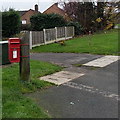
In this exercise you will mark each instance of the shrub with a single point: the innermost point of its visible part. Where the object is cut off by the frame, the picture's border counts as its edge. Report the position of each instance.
(10, 23)
(78, 28)
(26, 27)
(46, 21)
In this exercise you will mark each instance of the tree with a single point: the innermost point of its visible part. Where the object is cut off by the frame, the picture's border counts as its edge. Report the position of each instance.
(112, 14)
(100, 15)
(82, 12)
(92, 15)
(10, 23)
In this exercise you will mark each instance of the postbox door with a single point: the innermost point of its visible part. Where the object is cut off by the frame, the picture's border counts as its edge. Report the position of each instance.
(14, 50)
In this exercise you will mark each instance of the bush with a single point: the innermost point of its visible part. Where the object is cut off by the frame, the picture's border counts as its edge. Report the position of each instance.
(46, 21)
(78, 28)
(10, 23)
(26, 27)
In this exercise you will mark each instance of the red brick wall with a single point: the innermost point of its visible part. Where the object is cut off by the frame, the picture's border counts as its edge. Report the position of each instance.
(27, 16)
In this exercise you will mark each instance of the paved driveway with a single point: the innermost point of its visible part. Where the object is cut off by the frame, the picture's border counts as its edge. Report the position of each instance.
(94, 95)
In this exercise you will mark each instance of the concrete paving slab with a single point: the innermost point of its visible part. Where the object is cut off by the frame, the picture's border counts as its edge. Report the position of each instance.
(61, 77)
(103, 61)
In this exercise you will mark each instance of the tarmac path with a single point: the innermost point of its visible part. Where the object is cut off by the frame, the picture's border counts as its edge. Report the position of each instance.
(94, 94)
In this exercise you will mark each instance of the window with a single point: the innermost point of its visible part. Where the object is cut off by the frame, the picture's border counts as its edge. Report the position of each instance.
(24, 21)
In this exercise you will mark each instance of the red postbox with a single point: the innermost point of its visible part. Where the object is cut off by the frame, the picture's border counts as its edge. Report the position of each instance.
(14, 49)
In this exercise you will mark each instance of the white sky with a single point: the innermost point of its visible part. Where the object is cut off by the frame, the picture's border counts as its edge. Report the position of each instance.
(28, 4)
(25, 4)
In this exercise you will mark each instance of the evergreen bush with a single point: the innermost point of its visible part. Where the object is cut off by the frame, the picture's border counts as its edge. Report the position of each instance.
(78, 28)
(10, 23)
(46, 21)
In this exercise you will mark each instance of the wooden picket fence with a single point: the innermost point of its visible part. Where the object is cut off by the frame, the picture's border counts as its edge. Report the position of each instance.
(48, 36)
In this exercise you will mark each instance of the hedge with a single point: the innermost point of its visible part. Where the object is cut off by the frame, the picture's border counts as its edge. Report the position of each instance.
(46, 21)
(78, 28)
(10, 23)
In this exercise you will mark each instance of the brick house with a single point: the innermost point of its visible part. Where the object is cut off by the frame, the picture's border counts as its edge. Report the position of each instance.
(55, 9)
(25, 15)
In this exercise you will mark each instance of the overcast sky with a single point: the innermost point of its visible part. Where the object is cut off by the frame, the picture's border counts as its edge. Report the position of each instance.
(29, 4)
(25, 4)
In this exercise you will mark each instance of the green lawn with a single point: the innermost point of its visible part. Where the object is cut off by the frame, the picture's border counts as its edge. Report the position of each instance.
(15, 104)
(95, 44)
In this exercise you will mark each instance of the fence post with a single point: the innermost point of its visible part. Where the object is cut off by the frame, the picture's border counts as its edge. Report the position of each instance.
(73, 31)
(44, 32)
(30, 39)
(65, 33)
(56, 33)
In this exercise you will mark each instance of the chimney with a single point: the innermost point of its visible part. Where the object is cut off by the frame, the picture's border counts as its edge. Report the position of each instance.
(56, 4)
(36, 8)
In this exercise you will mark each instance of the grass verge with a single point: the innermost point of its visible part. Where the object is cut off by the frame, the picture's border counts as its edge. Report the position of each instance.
(99, 43)
(15, 104)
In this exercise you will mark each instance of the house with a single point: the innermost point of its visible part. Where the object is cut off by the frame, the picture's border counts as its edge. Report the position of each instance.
(55, 9)
(25, 15)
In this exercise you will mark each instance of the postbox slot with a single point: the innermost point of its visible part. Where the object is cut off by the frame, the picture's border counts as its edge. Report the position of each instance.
(15, 47)
(14, 42)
